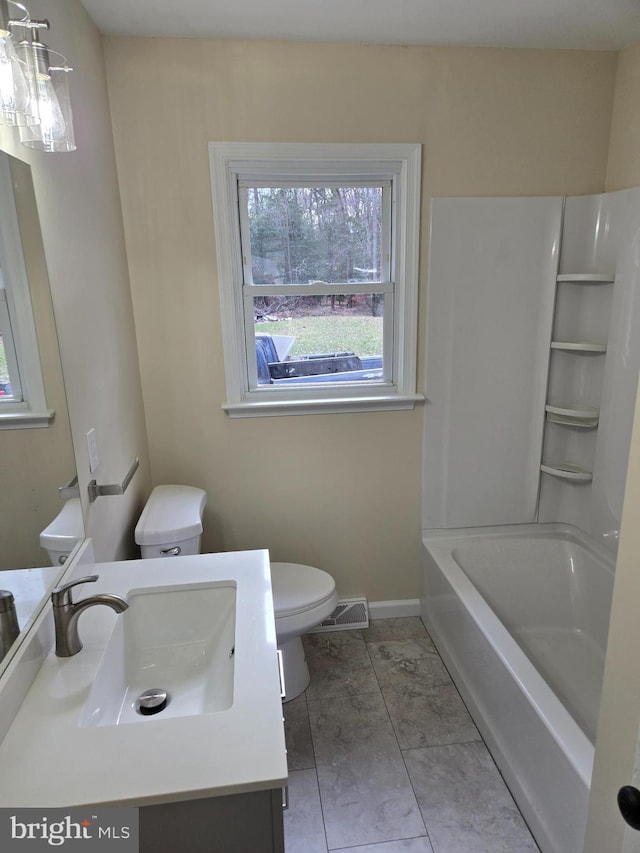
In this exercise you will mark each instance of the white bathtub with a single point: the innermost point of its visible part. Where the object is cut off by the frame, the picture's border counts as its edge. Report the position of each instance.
(520, 615)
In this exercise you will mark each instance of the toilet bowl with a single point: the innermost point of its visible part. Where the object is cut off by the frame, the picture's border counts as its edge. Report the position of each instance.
(171, 525)
(303, 597)
(63, 534)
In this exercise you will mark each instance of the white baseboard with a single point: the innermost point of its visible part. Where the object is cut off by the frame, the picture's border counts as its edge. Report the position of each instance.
(394, 609)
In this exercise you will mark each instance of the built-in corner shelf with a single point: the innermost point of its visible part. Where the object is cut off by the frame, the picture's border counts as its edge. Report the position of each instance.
(567, 471)
(579, 416)
(579, 346)
(586, 278)
(569, 373)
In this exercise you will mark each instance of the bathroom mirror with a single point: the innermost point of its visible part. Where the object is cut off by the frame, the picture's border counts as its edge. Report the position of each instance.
(34, 461)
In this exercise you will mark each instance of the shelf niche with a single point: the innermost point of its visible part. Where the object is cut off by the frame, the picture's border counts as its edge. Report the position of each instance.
(579, 346)
(581, 319)
(580, 416)
(586, 278)
(567, 471)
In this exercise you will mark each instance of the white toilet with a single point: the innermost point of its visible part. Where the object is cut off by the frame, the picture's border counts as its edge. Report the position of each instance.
(63, 534)
(303, 597)
(171, 525)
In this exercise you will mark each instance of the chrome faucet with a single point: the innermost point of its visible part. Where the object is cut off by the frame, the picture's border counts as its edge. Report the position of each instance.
(67, 612)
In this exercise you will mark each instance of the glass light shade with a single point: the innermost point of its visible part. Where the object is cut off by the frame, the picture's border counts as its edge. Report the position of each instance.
(16, 104)
(55, 130)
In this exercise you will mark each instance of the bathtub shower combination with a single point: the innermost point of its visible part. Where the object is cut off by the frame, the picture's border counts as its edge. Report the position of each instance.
(532, 368)
(520, 616)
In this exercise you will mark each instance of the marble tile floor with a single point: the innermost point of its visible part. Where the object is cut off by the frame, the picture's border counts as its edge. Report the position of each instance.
(384, 757)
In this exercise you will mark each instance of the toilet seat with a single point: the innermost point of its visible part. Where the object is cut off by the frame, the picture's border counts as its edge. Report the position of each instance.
(297, 588)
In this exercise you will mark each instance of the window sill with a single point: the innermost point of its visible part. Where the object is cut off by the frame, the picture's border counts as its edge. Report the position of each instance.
(269, 408)
(26, 420)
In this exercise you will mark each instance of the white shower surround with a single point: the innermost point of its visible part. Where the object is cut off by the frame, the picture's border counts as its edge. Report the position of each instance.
(492, 273)
(490, 368)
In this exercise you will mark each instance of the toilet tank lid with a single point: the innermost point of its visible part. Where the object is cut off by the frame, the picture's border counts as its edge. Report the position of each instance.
(172, 514)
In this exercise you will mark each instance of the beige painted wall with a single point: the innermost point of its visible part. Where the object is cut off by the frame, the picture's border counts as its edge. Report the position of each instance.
(338, 491)
(618, 737)
(79, 207)
(623, 168)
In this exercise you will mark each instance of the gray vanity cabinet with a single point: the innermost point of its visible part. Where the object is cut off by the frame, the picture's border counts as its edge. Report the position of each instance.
(238, 823)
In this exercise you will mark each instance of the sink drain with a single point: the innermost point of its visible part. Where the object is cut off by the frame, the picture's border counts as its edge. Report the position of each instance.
(152, 701)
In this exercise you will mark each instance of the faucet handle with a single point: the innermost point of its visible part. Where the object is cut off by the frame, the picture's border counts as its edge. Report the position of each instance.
(61, 595)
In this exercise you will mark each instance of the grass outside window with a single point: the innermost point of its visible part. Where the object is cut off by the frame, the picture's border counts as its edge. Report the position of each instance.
(362, 335)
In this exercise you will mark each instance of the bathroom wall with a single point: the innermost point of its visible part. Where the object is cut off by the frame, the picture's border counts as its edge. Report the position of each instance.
(623, 168)
(81, 222)
(617, 735)
(338, 491)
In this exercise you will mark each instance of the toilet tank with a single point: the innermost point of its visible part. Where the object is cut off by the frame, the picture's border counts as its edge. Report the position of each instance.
(63, 534)
(171, 522)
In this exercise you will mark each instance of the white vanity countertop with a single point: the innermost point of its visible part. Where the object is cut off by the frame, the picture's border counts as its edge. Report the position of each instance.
(49, 760)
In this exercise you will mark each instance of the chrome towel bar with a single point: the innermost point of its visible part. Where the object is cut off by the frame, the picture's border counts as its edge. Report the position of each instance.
(69, 490)
(96, 491)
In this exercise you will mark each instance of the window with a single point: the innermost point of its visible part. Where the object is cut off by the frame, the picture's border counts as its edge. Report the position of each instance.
(318, 266)
(22, 399)
(10, 388)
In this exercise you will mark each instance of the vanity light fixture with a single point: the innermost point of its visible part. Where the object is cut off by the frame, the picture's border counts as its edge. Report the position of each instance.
(46, 72)
(45, 122)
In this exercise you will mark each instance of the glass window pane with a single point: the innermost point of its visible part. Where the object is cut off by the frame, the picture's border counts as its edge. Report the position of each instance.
(5, 383)
(10, 389)
(308, 339)
(304, 234)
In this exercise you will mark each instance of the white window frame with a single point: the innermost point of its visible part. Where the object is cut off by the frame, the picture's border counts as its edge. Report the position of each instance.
(398, 164)
(27, 407)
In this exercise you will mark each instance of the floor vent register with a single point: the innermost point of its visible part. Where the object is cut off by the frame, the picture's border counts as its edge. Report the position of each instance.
(350, 613)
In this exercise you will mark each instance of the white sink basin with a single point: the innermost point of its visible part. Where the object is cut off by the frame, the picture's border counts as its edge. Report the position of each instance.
(195, 748)
(180, 639)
